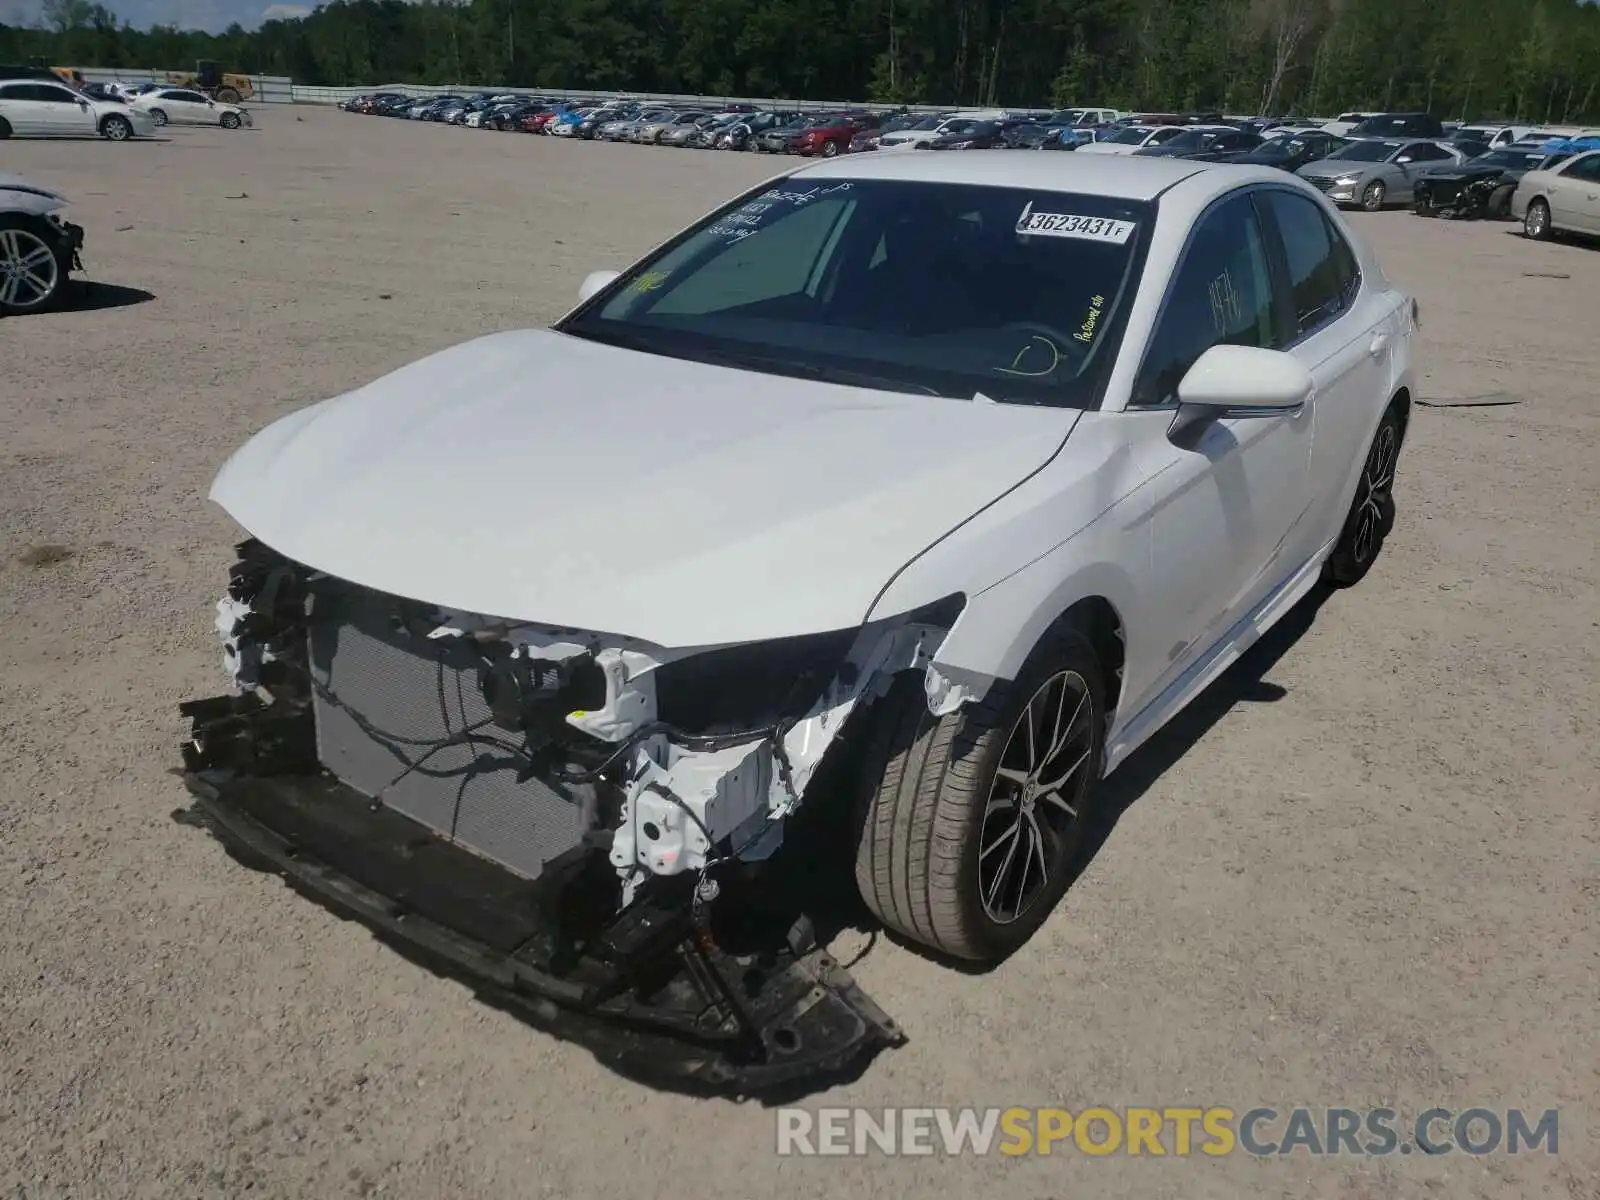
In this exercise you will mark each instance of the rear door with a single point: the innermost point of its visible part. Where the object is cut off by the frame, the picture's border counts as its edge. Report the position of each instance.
(20, 110)
(1344, 334)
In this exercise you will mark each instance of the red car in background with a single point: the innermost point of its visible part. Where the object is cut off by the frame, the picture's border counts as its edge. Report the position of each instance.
(831, 137)
(535, 122)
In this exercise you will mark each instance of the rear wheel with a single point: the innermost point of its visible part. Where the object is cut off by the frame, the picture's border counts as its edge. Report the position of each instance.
(33, 268)
(116, 129)
(158, 115)
(1371, 515)
(969, 823)
(5, 129)
(228, 96)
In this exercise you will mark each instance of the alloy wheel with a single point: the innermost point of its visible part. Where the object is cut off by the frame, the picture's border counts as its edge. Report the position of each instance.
(1376, 480)
(29, 272)
(1037, 793)
(1534, 222)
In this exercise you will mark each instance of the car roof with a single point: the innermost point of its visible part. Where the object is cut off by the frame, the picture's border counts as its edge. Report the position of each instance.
(1120, 176)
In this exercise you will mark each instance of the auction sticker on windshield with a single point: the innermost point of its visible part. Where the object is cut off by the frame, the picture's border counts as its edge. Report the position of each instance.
(1073, 225)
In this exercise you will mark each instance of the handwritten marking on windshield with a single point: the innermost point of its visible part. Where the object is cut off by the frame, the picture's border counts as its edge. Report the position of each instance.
(1086, 330)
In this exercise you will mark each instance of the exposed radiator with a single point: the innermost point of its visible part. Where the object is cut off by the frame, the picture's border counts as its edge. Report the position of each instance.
(393, 696)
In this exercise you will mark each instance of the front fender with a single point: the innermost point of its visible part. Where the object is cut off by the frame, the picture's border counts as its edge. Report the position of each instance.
(1052, 541)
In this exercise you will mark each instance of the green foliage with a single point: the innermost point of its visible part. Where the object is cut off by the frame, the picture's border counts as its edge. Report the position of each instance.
(1537, 59)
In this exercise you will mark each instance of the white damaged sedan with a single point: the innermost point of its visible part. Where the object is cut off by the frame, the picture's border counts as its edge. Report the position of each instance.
(965, 471)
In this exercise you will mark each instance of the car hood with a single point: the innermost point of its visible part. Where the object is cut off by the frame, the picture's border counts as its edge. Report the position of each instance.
(19, 195)
(537, 476)
(1332, 168)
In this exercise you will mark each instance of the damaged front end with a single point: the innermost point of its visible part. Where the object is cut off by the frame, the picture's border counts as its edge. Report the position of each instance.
(580, 822)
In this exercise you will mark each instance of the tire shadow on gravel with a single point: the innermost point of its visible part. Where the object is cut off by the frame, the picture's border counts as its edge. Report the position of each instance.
(91, 296)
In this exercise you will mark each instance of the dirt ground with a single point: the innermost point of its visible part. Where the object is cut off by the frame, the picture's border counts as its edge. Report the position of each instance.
(1363, 871)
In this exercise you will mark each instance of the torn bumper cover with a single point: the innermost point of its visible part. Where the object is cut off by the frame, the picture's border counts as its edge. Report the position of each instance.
(579, 822)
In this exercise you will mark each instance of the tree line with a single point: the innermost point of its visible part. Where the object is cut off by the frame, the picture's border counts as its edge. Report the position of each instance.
(1538, 60)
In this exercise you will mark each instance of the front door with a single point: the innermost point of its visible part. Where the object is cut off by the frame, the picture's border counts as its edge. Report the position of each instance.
(1228, 494)
(64, 112)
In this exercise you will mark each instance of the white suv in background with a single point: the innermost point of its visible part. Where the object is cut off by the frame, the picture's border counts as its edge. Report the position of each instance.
(39, 108)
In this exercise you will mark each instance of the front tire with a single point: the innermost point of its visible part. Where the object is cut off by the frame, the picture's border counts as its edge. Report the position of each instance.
(969, 823)
(830, 149)
(33, 267)
(1371, 515)
(1374, 196)
(1499, 206)
(1536, 221)
(230, 120)
(116, 129)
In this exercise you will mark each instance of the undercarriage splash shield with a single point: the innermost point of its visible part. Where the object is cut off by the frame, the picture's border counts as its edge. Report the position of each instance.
(648, 992)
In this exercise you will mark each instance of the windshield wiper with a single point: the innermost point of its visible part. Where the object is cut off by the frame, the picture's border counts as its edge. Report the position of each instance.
(822, 374)
(752, 362)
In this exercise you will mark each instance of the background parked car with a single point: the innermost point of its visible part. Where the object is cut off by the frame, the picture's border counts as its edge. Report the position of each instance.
(920, 129)
(1399, 124)
(1287, 151)
(1482, 186)
(1562, 199)
(776, 139)
(974, 135)
(180, 106)
(34, 108)
(1200, 139)
(1374, 172)
(37, 248)
(1134, 137)
(828, 138)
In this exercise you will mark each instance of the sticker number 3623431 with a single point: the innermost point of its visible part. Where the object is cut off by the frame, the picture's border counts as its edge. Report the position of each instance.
(1072, 225)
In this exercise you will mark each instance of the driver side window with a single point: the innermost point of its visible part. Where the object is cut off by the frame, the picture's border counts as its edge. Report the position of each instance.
(1221, 295)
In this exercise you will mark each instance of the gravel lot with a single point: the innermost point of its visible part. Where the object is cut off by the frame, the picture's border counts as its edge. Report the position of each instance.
(1363, 871)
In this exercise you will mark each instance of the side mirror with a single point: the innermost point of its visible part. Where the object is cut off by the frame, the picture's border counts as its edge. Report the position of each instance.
(1403, 159)
(1247, 378)
(596, 282)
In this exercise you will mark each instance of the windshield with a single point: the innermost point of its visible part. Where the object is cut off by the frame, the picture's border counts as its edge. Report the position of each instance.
(952, 290)
(1368, 151)
(1134, 135)
(1515, 160)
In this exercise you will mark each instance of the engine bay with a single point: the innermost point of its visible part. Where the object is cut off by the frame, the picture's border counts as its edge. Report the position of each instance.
(623, 790)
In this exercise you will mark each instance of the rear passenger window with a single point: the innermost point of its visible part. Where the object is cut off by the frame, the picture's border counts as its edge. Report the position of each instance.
(1221, 295)
(1308, 249)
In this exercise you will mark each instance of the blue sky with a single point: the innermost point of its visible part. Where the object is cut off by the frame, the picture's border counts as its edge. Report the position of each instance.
(213, 15)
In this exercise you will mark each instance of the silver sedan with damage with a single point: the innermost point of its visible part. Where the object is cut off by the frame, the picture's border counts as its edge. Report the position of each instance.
(1376, 172)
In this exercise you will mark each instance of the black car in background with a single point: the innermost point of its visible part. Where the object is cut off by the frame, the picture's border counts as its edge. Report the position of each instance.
(1031, 135)
(1201, 141)
(979, 135)
(1481, 187)
(1287, 151)
(1399, 125)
